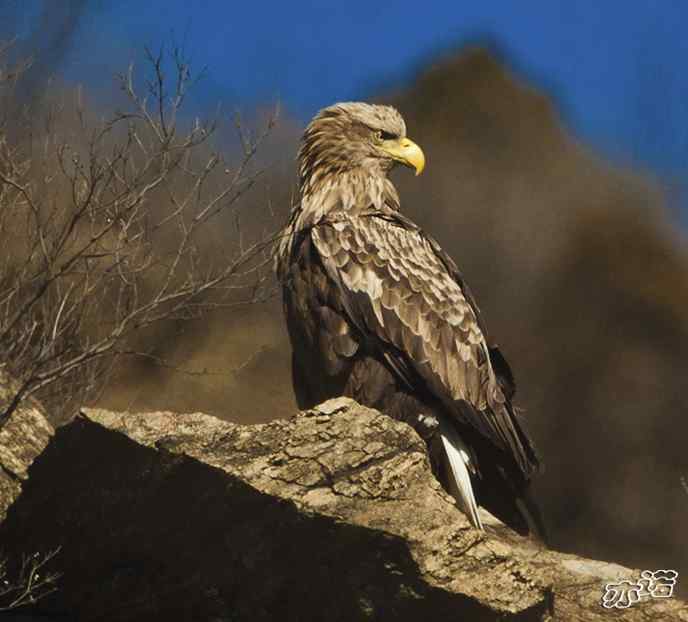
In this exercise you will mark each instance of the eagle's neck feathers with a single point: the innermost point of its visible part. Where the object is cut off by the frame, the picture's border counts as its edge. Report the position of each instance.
(349, 194)
(352, 192)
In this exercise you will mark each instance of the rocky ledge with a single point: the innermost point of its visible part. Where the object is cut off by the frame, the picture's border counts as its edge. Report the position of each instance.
(330, 515)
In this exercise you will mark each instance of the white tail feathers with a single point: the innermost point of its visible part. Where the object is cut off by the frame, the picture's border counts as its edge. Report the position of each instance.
(458, 457)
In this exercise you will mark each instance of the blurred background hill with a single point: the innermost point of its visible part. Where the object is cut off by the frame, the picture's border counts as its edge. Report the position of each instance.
(576, 259)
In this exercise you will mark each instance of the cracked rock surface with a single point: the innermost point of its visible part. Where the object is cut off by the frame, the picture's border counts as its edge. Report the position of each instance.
(22, 438)
(330, 515)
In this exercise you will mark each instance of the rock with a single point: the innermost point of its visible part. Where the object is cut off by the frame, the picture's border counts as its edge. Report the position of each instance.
(331, 515)
(22, 438)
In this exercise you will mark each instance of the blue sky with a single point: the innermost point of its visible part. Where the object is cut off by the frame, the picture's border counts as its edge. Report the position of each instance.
(617, 69)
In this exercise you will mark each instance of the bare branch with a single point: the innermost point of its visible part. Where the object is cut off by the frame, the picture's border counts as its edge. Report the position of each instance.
(105, 230)
(32, 582)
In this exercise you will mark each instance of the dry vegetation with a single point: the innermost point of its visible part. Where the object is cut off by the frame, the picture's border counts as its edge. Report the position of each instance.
(106, 225)
(31, 582)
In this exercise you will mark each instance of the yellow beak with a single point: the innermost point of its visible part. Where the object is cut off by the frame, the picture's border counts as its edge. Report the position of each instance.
(406, 152)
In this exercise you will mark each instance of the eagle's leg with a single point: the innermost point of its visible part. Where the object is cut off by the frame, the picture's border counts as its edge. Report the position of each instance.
(370, 382)
(427, 426)
(451, 460)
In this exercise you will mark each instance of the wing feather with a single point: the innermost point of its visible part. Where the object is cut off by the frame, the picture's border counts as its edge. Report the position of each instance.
(397, 283)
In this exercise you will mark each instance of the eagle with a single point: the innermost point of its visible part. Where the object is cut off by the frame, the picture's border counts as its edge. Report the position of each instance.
(378, 312)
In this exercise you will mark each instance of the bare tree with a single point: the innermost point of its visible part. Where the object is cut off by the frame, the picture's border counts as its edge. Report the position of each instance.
(102, 228)
(31, 583)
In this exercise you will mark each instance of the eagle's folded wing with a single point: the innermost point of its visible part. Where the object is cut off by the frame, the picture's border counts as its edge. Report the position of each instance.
(395, 286)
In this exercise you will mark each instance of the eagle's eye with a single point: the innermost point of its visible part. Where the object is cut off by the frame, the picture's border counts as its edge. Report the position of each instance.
(381, 135)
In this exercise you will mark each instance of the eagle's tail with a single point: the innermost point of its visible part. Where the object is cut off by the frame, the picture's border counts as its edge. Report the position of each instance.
(501, 492)
(459, 467)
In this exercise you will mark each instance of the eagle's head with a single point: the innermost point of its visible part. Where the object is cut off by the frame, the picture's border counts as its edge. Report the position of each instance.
(355, 137)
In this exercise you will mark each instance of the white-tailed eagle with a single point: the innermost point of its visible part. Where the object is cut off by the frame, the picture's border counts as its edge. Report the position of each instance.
(377, 311)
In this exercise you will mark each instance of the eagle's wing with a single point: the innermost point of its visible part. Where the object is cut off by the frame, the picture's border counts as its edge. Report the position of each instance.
(398, 287)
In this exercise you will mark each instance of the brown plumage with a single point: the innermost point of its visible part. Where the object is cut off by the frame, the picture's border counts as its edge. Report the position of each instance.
(377, 311)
